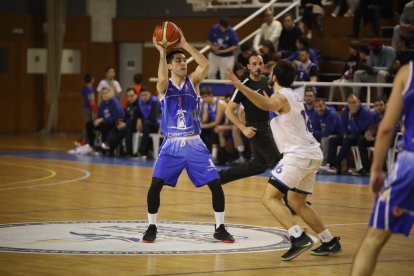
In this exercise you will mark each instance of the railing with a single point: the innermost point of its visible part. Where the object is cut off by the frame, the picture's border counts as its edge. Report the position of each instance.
(304, 84)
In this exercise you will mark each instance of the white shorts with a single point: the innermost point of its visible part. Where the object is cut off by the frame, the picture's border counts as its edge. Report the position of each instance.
(296, 174)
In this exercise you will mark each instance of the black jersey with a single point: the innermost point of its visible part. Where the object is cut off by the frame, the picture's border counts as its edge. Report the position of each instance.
(253, 113)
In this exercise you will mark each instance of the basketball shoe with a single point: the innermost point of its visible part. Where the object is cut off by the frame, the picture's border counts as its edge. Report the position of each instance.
(222, 234)
(328, 248)
(298, 246)
(151, 234)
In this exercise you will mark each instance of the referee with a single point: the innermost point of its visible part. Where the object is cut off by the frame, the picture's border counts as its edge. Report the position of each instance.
(264, 151)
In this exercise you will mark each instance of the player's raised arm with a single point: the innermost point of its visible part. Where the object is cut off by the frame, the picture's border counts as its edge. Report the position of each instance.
(162, 82)
(202, 69)
(274, 103)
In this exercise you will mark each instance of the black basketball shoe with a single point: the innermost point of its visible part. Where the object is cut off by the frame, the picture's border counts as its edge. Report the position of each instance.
(222, 234)
(151, 234)
(328, 248)
(298, 246)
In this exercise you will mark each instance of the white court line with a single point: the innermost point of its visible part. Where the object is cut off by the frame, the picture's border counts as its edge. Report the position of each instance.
(86, 175)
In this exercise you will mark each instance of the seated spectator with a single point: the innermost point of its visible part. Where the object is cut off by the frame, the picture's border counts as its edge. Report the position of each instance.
(213, 115)
(110, 114)
(267, 51)
(271, 30)
(223, 41)
(406, 25)
(368, 139)
(290, 33)
(313, 13)
(405, 51)
(228, 131)
(379, 65)
(239, 70)
(309, 101)
(137, 80)
(350, 67)
(109, 82)
(148, 120)
(246, 51)
(126, 127)
(306, 71)
(355, 120)
(89, 107)
(326, 124)
(303, 43)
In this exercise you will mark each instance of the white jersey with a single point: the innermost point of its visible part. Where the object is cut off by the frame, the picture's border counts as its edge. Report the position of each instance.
(292, 131)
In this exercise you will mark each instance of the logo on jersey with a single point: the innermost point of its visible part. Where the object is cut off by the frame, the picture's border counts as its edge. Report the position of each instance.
(181, 124)
(124, 238)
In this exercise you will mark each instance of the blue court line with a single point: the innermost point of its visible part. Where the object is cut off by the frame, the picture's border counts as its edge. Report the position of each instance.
(123, 161)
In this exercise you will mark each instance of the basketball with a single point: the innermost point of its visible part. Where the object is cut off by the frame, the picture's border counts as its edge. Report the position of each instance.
(167, 34)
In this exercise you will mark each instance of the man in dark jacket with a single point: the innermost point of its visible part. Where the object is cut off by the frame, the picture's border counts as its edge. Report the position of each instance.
(355, 121)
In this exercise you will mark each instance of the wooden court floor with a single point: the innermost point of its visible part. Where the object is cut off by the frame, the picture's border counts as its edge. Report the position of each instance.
(44, 190)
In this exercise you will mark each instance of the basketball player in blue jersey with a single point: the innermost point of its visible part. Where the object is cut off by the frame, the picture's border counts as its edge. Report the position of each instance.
(393, 211)
(182, 147)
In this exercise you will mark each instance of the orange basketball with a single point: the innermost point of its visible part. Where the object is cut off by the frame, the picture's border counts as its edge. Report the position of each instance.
(167, 34)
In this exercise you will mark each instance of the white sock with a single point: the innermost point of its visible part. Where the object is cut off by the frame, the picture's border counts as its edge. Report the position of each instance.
(214, 152)
(152, 218)
(219, 218)
(240, 149)
(295, 231)
(325, 236)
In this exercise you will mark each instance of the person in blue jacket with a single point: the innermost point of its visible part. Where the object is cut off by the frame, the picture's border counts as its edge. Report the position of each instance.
(355, 121)
(110, 113)
(326, 124)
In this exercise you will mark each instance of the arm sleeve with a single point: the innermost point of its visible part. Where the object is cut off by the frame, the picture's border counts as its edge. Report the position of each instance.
(314, 71)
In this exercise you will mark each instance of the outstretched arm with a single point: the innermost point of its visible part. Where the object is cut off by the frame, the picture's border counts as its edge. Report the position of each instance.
(273, 103)
(202, 69)
(162, 82)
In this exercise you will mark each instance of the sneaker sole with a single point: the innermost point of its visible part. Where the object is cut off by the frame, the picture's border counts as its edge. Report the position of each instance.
(326, 253)
(228, 241)
(144, 241)
(300, 252)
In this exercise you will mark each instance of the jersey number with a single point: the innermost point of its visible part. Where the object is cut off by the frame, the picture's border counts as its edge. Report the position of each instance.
(307, 122)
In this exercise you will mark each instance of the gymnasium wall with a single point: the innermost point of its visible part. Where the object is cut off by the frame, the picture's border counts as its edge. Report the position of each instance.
(23, 102)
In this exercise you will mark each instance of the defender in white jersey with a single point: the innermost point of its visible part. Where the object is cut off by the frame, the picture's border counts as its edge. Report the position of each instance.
(296, 171)
(393, 211)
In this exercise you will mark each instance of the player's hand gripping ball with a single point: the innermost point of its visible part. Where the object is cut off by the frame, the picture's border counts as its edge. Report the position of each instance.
(167, 34)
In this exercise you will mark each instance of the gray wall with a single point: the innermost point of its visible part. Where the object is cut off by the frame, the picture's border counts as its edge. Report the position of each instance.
(129, 54)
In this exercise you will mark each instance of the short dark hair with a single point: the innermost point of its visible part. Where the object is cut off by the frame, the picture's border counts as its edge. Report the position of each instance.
(288, 14)
(170, 54)
(364, 49)
(137, 78)
(285, 72)
(303, 40)
(317, 100)
(131, 89)
(254, 55)
(246, 46)
(144, 88)
(206, 91)
(224, 22)
(88, 78)
(381, 99)
(108, 68)
(304, 50)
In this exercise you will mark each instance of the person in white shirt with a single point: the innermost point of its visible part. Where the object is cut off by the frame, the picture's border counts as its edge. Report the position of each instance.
(109, 82)
(295, 173)
(270, 30)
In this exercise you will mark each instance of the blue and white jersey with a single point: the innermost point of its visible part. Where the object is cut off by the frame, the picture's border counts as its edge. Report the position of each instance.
(408, 110)
(180, 110)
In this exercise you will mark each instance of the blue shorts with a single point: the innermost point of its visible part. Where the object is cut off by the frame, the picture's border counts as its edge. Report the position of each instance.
(394, 207)
(190, 153)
